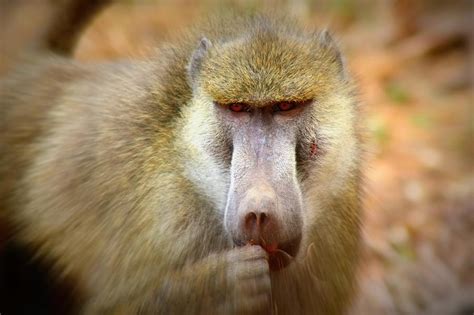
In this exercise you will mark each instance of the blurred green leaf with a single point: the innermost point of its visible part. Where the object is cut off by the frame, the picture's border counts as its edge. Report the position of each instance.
(343, 7)
(396, 92)
(405, 251)
(379, 131)
(422, 121)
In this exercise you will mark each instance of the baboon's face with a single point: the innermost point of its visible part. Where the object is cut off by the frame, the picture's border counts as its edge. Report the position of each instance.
(264, 204)
(268, 122)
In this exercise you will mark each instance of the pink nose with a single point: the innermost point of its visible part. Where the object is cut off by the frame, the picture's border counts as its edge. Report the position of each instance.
(258, 219)
(260, 223)
(256, 222)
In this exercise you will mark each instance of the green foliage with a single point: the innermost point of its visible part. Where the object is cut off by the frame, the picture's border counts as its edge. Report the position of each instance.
(422, 120)
(379, 131)
(396, 92)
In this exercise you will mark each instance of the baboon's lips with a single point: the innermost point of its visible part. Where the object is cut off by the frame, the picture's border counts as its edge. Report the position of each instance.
(278, 260)
(280, 256)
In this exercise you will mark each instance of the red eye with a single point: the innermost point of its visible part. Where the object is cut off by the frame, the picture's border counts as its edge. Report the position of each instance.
(285, 106)
(237, 107)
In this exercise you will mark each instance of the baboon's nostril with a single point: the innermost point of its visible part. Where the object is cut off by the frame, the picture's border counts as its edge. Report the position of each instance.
(256, 221)
(250, 221)
(262, 219)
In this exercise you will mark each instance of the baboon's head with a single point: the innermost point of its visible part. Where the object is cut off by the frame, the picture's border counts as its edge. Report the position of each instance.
(269, 122)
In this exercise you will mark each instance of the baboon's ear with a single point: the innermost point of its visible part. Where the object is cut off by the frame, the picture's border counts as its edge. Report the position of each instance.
(327, 41)
(194, 66)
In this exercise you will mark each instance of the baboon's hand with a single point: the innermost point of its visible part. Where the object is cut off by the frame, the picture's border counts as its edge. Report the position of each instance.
(233, 282)
(248, 281)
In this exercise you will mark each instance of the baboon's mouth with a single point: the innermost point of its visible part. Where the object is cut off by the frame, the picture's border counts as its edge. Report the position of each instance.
(279, 255)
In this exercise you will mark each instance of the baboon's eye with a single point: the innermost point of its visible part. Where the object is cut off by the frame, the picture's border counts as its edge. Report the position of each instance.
(290, 106)
(238, 107)
(284, 106)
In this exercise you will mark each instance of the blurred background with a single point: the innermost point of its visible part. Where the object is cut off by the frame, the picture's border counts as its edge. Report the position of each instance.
(414, 64)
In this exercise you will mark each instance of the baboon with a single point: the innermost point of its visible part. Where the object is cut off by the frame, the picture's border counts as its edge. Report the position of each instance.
(220, 176)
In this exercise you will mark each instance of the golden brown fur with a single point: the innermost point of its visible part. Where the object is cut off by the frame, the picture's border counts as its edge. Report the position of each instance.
(96, 164)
